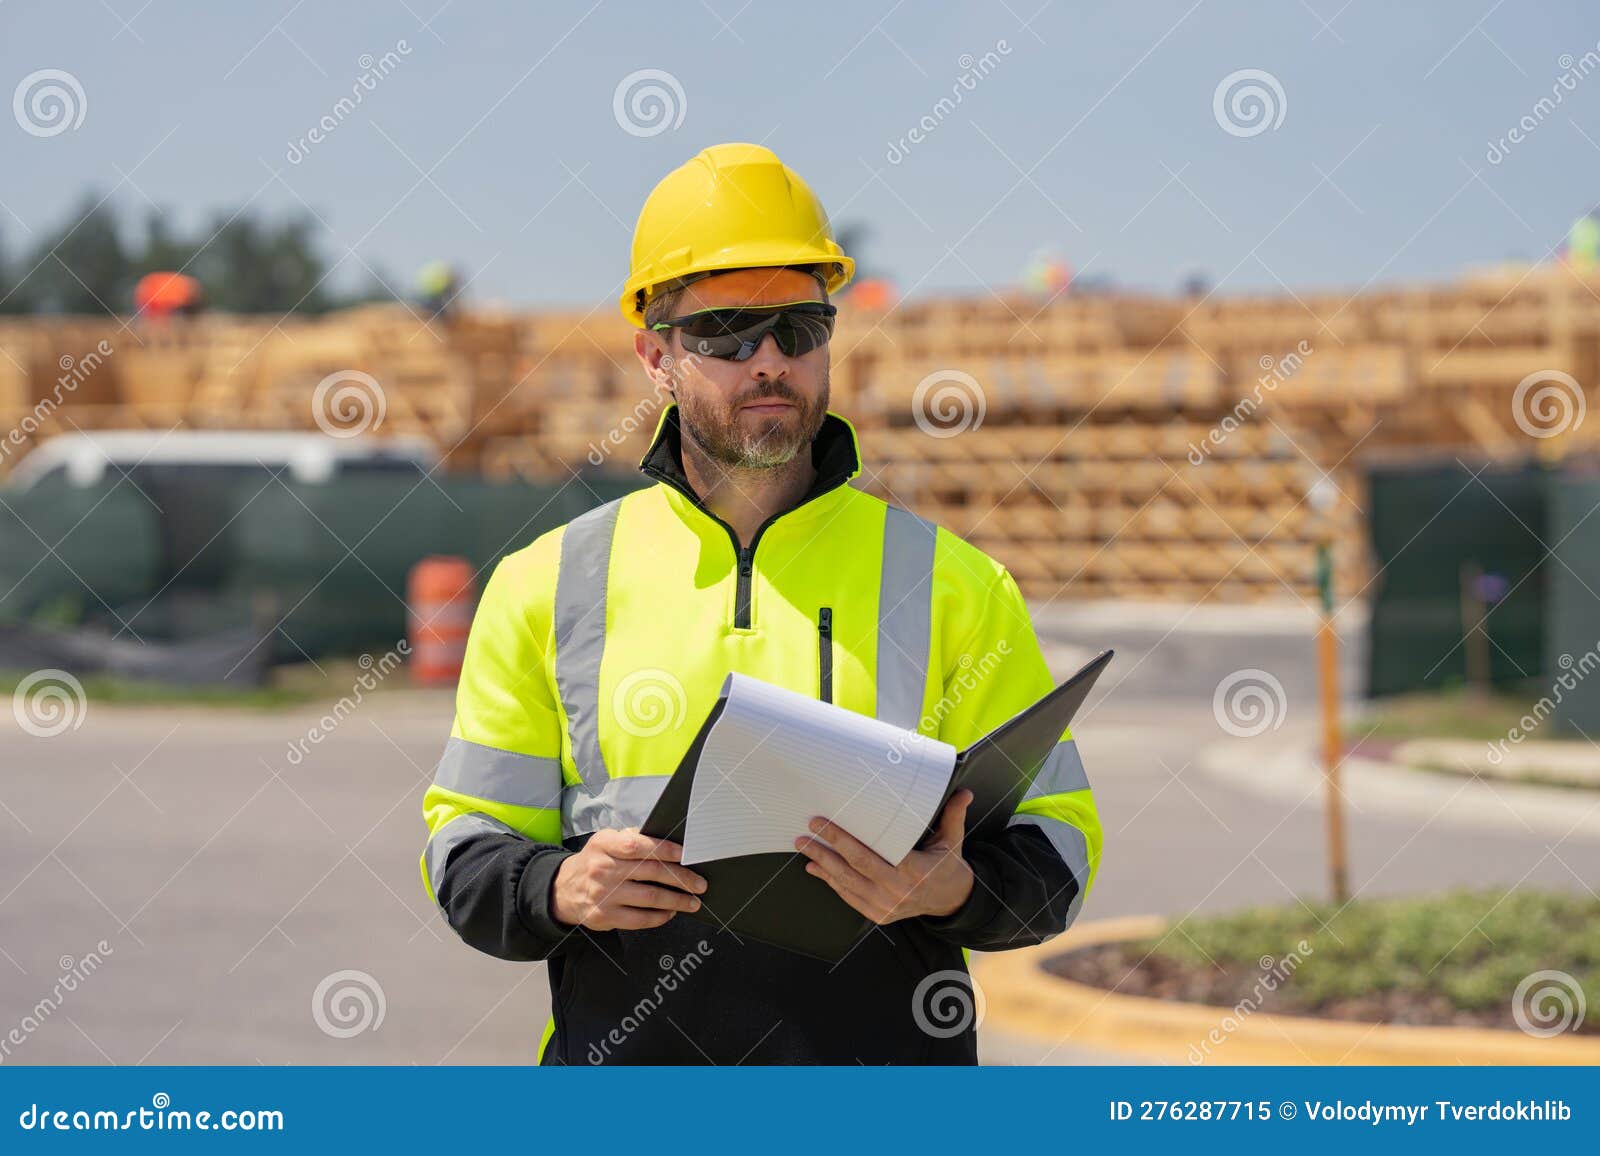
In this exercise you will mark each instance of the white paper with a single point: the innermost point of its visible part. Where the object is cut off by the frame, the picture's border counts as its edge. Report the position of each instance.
(775, 759)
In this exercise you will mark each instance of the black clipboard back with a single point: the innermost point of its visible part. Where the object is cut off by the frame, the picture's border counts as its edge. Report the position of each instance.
(767, 897)
(772, 898)
(1000, 767)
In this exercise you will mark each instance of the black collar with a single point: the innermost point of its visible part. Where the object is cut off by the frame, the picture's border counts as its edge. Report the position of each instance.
(833, 454)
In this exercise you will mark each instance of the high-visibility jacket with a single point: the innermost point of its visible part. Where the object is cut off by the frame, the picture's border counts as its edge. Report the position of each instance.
(594, 656)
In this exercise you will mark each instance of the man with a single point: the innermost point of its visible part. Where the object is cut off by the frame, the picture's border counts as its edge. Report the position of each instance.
(598, 649)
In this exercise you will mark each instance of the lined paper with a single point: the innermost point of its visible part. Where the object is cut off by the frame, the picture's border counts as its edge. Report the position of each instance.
(775, 759)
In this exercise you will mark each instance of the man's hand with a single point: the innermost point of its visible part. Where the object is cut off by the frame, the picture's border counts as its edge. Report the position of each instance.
(614, 883)
(934, 880)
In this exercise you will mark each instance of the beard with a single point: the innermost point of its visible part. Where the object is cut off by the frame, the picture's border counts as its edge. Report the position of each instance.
(752, 443)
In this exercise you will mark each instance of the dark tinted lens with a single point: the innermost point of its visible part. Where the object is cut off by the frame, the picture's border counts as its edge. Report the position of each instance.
(721, 345)
(800, 333)
(726, 333)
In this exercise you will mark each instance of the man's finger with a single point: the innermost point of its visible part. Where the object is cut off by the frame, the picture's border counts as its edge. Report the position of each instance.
(831, 861)
(638, 918)
(633, 845)
(863, 858)
(659, 898)
(863, 903)
(953, 822)
(671, 874)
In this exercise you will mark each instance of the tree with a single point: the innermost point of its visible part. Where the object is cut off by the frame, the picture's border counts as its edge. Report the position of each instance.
(82, 267)
(247, 264)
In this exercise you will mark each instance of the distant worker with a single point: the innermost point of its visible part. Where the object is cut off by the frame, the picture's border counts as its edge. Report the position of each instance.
(751, 553)
(1583, 244)
(161, 295)
(437, 289)
(1046, 274)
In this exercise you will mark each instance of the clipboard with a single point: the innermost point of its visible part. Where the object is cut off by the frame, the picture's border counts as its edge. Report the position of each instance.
(771, 897)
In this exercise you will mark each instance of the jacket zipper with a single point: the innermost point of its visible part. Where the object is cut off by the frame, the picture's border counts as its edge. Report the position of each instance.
(825, 653)
(744, 554)
(741, 597)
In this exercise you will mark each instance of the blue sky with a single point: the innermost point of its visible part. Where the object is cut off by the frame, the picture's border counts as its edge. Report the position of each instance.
(493, 139)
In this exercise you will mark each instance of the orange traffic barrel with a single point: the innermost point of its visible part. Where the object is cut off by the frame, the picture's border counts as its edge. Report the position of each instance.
(441, 593)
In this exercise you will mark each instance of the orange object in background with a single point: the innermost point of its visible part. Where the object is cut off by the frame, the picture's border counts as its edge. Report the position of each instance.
(163, 294)
(875, 294)
(441, 594)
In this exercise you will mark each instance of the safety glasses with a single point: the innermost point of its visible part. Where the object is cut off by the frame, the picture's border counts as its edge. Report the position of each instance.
(734, 333)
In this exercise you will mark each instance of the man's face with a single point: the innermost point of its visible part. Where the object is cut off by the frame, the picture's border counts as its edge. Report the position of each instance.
(754, 414)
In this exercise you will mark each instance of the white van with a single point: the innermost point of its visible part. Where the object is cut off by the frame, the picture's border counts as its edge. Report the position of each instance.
(84, 459)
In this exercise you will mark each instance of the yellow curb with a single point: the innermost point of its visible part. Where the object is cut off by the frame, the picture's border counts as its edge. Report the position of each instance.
(1020, 996)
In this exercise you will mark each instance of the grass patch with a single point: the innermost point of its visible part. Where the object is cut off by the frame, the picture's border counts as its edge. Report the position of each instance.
(1449, 714)
(1455, 958)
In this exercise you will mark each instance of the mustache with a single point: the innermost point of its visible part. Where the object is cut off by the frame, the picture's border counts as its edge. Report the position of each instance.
(776, 390)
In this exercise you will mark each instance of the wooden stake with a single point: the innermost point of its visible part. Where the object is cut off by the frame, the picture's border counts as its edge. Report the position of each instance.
(1328, 676)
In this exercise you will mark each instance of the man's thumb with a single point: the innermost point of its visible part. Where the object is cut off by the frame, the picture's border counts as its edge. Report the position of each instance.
(953, 823)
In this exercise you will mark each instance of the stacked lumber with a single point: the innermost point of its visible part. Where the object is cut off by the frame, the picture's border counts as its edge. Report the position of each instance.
(1101, 446)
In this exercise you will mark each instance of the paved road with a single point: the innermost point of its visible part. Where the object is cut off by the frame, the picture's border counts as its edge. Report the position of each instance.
(228, 882)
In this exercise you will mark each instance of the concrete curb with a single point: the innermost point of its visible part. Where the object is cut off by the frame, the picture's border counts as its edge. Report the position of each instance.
(1537, 762)
(1021, 997)
(1291, 772)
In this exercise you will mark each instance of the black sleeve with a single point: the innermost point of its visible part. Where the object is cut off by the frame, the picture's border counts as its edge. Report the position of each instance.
(495, 892)
(1021, 893)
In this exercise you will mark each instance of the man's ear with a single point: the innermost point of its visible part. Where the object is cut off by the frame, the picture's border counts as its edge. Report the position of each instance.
(657, 359)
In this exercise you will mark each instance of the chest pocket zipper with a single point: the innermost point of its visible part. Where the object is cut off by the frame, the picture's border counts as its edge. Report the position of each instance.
(825, 653)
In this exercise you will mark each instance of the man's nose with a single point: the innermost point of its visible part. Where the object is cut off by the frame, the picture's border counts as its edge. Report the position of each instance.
(768, 361)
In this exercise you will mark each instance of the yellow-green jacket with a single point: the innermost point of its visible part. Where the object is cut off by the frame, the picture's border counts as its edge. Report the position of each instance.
(595, 654)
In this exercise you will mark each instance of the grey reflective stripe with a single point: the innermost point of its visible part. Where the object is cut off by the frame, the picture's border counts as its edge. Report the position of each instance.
(451, 836)
(624, 802)
(1062, 772)
(1073, 847)
(905, 616)
(499, 776)
(580, 624)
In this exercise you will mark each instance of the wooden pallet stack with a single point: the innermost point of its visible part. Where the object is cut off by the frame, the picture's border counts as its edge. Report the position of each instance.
(1101, 446)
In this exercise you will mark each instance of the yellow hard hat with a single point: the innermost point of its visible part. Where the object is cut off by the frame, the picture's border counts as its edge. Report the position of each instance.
(733, 206)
